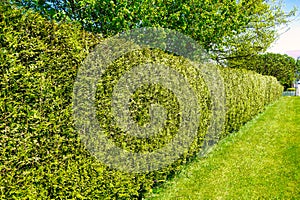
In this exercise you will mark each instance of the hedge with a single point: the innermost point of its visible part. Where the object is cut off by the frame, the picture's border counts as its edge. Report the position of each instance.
(247, 93)
(42, 156)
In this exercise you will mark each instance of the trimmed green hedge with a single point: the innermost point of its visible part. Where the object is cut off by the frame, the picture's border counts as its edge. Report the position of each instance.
(247, 93)
(41, 153)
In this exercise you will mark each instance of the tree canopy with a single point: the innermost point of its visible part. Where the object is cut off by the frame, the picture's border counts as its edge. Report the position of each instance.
(226, 29)
(283, 67)
(298, 69)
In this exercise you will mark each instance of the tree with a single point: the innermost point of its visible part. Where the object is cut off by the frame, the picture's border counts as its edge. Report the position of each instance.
(298, 69)
(283, 67)
(226, 29)
(258, 35)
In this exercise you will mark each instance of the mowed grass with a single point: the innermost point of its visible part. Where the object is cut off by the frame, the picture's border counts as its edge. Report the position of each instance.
(261, 161)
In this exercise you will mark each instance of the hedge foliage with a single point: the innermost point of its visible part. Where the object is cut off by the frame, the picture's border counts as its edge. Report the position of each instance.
(247, 93)
(42, 156)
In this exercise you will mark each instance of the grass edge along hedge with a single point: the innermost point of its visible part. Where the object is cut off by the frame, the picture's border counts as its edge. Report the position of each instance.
(41, 153)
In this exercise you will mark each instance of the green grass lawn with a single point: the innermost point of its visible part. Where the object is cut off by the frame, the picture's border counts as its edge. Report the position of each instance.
(261, 161)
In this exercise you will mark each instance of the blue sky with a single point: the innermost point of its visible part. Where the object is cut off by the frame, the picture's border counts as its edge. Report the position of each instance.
(289, 42)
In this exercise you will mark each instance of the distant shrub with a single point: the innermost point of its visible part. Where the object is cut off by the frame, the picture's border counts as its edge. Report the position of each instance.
(42, 156)
(291, 89)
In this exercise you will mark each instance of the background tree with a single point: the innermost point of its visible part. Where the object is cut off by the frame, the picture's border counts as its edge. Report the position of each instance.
(283, 67)
(226, 29)
(298, 69)
(261, 31)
